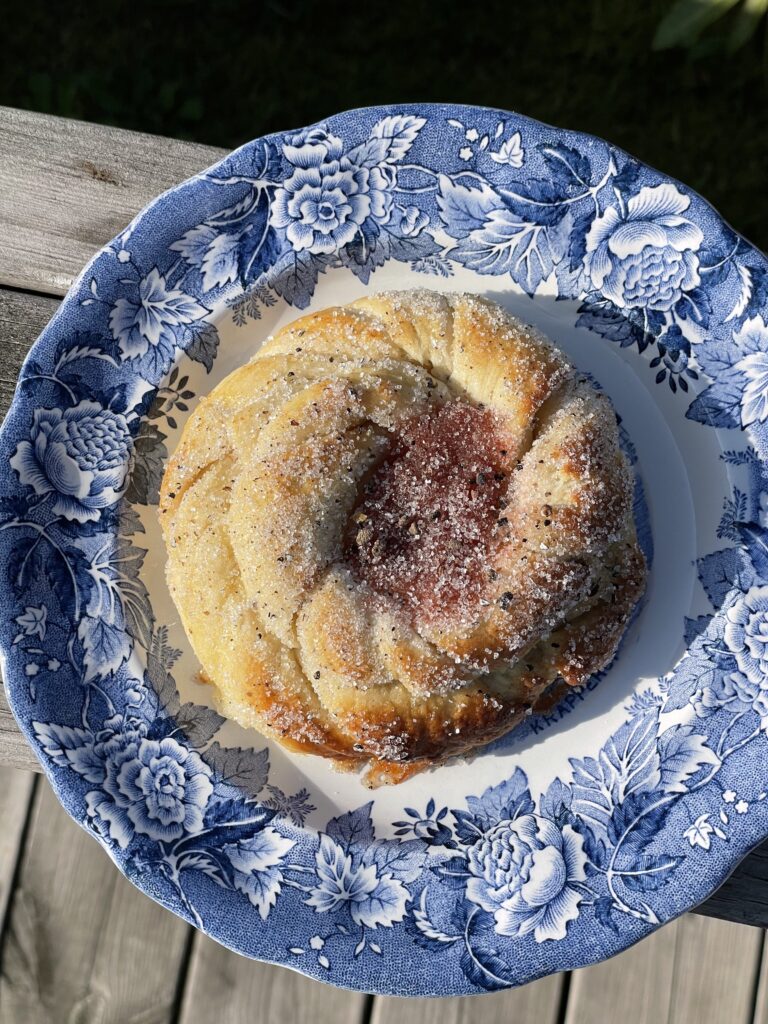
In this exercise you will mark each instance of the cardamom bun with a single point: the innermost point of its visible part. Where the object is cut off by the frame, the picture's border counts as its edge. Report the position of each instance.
(405, 524)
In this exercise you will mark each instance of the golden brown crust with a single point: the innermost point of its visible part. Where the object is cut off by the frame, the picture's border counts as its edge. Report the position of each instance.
(256, 506)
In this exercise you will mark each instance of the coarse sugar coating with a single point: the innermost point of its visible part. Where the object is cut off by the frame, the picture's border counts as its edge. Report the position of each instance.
(404, 525)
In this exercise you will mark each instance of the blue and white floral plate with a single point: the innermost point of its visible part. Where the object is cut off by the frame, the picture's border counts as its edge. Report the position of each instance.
(557, 846)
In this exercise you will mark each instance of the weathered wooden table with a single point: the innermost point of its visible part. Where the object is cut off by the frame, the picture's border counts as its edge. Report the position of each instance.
(77, 942)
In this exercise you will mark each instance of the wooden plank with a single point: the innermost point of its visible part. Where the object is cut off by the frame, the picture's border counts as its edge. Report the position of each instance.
(81, 943)
(538, 1002)
(222, 986)
(691, 970)
(716, 971)
(638, 983)
(67, 188)
(761, 996)
(15, 793)
(22, 318)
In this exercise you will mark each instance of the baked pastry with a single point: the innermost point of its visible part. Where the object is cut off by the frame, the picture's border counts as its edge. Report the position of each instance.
(405, 524)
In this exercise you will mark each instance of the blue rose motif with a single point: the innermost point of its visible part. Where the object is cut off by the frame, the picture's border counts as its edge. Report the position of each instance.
(740, 689)
(321, 208)
(732, 691)
(312, 148)
(409, 221)
(645, 254)
(327, 199)
(708, 697)
(156, 788)
(117, 734)
(80, 455)
(746, 635)
(525, 872)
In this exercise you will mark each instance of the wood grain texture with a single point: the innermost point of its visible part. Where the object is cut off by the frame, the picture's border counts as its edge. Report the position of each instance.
(15, 793)
(691, 970)
(716, 971)
(22, 318)
(537, 1003)
(638, 981)
(222, 986)
(81, 943)
(67, 188)
(761, 996)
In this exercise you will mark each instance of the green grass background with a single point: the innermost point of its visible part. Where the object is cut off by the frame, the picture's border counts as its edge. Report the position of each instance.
(224, 72)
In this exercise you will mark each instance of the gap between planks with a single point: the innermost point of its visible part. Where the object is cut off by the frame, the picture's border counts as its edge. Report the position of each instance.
(16, 792)
(81, 943)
